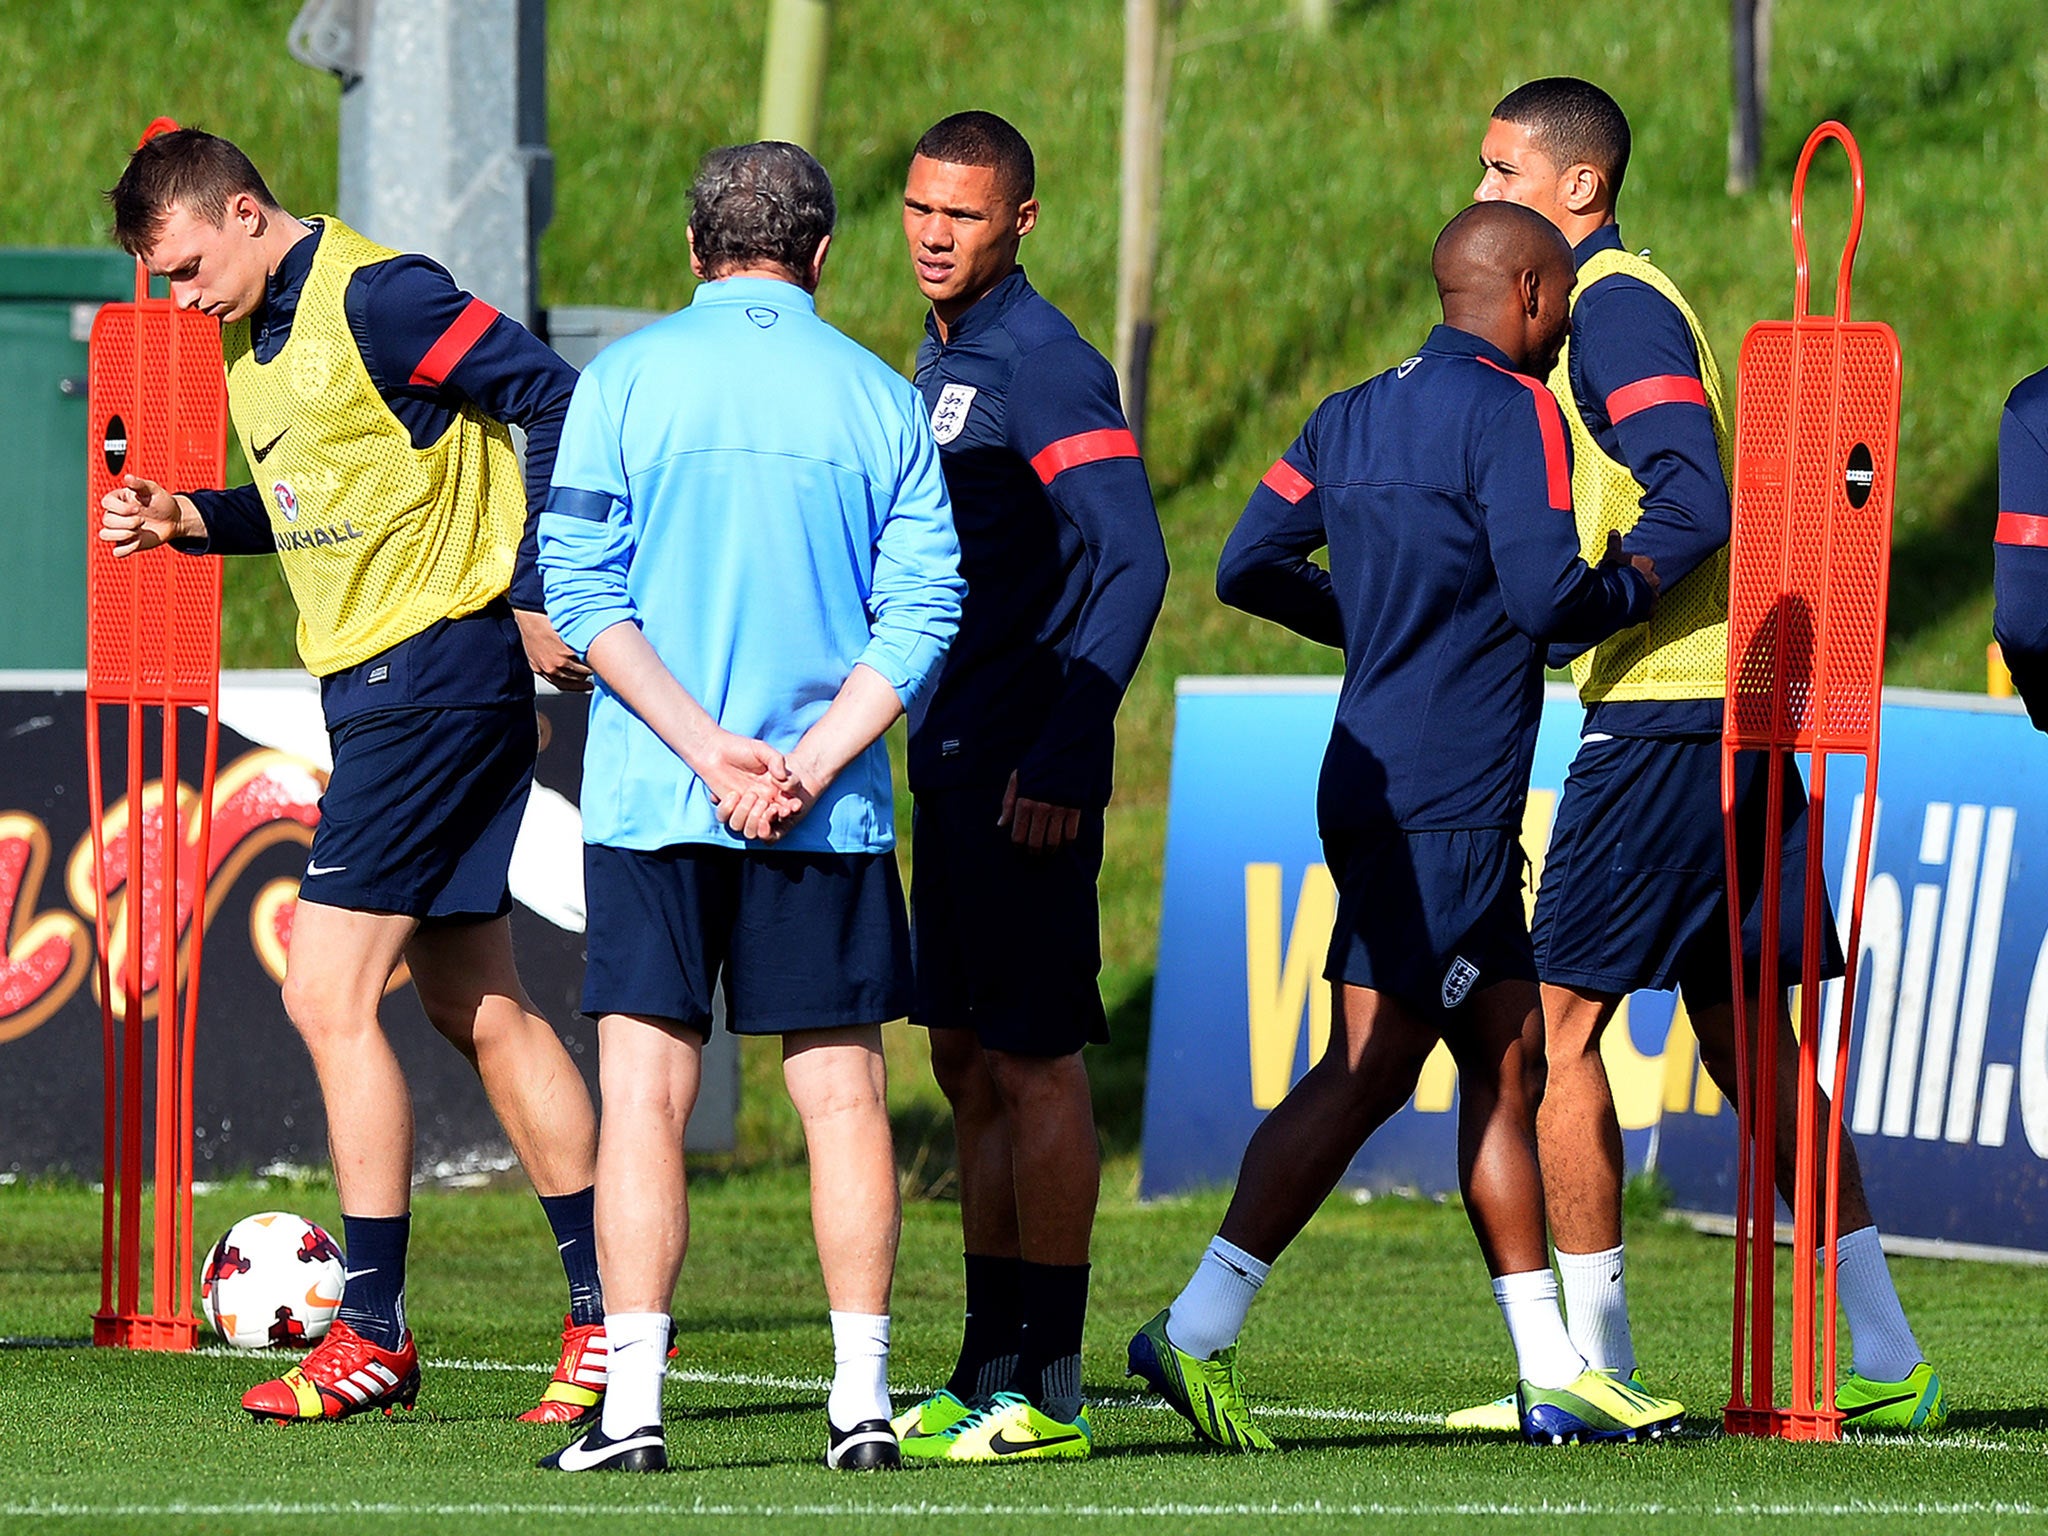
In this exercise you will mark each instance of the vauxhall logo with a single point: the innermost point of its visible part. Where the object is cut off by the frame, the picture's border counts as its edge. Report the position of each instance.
(316, 538)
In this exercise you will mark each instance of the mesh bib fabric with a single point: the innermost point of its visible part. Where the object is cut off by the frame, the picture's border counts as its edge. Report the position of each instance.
(1682, 652)
(378, 539)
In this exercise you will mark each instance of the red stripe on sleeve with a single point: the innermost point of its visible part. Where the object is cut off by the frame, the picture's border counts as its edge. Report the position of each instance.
(2022, 528)
(1287, 482)
(446, 355)
(1055, 459)
(1557, 468)
(1665, 389)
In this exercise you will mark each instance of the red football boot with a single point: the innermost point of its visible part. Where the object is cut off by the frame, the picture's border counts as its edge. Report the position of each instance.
(575, 1393)
(344, 1374)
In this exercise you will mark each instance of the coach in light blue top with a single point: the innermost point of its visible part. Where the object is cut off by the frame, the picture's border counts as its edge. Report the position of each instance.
(717, 470)
(749, 540)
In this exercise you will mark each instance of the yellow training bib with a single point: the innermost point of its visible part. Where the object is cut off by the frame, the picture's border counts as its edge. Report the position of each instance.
(378, 539)
(1682, 652)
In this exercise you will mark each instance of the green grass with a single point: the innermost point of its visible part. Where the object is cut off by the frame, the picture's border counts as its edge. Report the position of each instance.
(1304, 182)
(1378, 1320)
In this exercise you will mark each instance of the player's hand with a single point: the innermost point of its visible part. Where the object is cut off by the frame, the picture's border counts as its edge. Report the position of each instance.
(750, 782)
(1645, 566)
(139, 514)
(548, 655)
(1036, 824)
(807, 784)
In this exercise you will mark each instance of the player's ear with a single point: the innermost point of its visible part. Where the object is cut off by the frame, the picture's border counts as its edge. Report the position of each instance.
(1581, 189)
(1027, 216)
(696, 266)
(818, 264)
(1532, 293)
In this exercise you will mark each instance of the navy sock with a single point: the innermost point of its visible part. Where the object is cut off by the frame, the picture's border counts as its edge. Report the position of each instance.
(373, 1298)
(1055, 1306)
(990, 1337)
(574, 1220)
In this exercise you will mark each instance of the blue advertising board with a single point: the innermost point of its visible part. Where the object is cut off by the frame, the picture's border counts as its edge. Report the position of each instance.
(1948, 1087)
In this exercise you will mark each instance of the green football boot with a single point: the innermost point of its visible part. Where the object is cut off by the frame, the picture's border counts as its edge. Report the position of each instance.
(1918, 1402)
(922, 1429)
(1594, 1407)
(1503, 1416)
(1011, 1428)
(1204, 1392)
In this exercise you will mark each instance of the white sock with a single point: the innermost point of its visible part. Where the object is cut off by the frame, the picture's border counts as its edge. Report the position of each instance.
(1544, 1356)
(1881, 1341)
(860, 1373)
(636, 1358)
(1210, 1313)
(1595, 1289)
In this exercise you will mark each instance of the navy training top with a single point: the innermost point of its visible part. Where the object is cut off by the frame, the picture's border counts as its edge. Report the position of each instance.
(1059, 544)
(2020, 551)
(413, 327)
(1626, 336)
(1443, 491)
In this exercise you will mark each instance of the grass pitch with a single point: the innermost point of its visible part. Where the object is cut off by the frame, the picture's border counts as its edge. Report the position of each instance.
(1377, 1322)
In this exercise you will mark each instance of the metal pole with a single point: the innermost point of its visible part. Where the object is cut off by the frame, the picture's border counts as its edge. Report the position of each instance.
(1144, 134)
(1750, 29)
(793, 72)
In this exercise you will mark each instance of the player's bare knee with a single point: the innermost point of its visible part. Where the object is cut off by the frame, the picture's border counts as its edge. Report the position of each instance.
(322, 1014)
(959, 1068)
(1025, 1081)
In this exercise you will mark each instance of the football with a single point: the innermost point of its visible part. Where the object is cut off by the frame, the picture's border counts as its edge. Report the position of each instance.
(273, 1281)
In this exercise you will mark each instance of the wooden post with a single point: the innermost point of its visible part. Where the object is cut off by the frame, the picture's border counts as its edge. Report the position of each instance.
(793, 72)
(1146, 75)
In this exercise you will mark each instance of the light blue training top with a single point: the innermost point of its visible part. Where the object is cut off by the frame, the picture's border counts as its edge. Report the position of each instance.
(762, 496)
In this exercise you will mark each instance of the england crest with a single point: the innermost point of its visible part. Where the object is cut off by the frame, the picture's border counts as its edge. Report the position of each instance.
(950, 414)
(1458, 981)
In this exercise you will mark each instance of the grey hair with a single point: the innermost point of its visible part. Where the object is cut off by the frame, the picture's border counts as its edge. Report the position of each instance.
(753, 204)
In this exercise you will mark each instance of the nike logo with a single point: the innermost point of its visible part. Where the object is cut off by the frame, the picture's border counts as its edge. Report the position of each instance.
(260, 454)
(352, 1274)
(1883, 1402)
(574, 1458)
(1003, 1445)
(315, 870)
(565, 1247)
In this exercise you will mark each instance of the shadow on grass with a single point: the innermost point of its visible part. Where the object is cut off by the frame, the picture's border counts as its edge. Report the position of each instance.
(805, 1407)
(1996, 1421)
(1349, 1441)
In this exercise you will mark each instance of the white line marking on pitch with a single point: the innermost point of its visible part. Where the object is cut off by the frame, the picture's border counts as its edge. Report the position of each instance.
(1116, 1397)
(931, 1510)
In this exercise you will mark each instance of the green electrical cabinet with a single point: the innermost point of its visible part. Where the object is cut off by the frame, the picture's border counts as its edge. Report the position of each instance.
(47, 302)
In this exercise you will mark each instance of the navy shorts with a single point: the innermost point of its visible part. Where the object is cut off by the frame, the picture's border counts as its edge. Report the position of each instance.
(1008, 942)
(422, 810)
(1633, 893)
(1430, 917)
(801, 940)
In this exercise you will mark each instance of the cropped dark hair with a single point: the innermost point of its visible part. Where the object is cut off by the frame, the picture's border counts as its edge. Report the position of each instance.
(755, 204)
(1574, 122)
(982, 138)
(196, 170)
